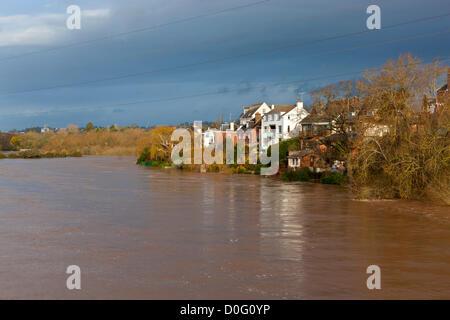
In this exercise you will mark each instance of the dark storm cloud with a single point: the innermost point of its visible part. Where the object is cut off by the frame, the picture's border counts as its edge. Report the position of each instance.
(250, 35)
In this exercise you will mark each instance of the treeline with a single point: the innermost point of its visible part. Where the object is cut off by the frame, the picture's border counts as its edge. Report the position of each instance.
(5, 139)
(114, 140)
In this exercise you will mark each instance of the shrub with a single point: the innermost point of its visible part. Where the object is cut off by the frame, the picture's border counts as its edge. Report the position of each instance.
(213, 168)
(75, 154)
(292, 175)
(332, 178)
(144, 157)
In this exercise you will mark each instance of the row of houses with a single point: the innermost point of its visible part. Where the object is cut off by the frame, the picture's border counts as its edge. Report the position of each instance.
(272, 123)
(269, 124)
(262, 123)
(317, 130)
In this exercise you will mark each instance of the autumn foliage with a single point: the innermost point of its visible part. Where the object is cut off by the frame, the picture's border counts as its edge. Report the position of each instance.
(108, 141)
(411, 159)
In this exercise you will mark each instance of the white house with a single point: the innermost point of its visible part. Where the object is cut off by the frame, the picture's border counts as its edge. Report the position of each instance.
(209, 137)
(281, 123)
(250, 112)
(45, 129)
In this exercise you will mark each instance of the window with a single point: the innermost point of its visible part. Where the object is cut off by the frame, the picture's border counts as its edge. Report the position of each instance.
(289, 128)
(279, 129)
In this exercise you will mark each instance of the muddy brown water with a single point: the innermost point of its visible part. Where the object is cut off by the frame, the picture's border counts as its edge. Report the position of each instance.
(165, 234)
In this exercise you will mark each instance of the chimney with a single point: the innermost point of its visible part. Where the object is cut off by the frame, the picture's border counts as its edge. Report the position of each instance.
(272, 107)
(257, 117)
(232, 125)
(300, 104)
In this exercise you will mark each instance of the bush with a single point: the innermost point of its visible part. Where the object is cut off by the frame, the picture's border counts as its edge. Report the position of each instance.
(332, 178)
(75, 154)
(144, 157)
(300, 175)
(257, 170)
(30, 154)
(213, 168)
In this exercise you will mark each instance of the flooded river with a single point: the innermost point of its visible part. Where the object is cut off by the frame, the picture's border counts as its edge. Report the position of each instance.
(148, 233)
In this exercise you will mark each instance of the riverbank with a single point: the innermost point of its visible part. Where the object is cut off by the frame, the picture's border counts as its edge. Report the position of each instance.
(33, 154)
(287, 175)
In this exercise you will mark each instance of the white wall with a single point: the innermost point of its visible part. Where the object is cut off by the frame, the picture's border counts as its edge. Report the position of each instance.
(288, 122)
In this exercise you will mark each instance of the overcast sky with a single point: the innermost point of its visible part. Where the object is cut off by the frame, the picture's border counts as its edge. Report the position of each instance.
(195, 69)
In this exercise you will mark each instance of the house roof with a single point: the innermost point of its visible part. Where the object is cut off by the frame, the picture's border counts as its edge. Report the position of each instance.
(254, 124)
(251, 110)
(299, 153)
(279, 109)
(315, 118)
(443, 88)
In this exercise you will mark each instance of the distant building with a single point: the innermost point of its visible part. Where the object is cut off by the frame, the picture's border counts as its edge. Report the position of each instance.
(442, 95)
(45, 129)
(305, 158)
(315, 125)
(211, 136)
(444, 89)
(228, 126)
(251, 132)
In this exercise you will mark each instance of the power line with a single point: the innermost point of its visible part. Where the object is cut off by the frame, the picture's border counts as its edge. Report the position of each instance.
(265, 63)
(203, 41)
(126, 76)
(211, 93)
(150, 28)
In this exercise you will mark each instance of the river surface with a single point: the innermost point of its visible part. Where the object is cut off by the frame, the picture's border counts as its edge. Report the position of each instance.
(160, 233)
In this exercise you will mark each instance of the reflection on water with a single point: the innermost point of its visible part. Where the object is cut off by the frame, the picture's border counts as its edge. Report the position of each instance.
(146, 233)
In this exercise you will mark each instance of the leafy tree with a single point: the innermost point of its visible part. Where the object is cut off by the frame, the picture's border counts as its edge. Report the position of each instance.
(89, 127)
(157, 146)
(16, 142)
